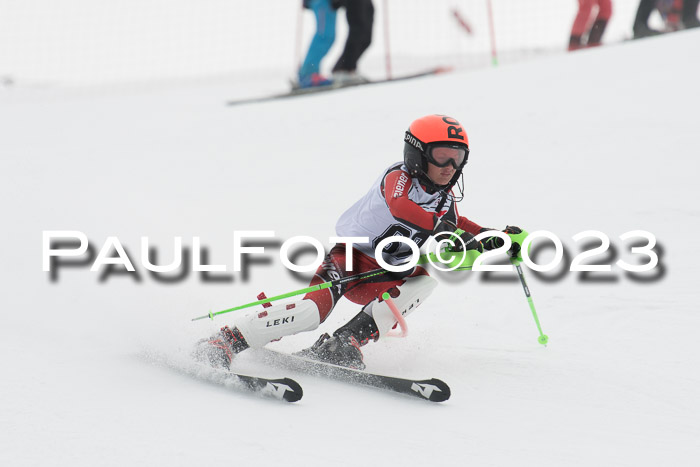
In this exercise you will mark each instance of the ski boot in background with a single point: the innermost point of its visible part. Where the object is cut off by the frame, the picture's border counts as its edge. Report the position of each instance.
(314, 80)
(348, 78)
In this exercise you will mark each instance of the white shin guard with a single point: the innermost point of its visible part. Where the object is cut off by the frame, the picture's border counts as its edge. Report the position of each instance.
(411, 294)
(260, 327)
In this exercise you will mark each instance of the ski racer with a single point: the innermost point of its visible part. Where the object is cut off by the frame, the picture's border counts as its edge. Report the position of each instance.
(413, 199)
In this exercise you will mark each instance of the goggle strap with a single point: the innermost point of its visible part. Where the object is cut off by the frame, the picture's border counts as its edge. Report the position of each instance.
(415, 142)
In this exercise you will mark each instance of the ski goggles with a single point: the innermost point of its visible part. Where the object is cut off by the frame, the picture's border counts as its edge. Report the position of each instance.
(441, 154)
(444, 154)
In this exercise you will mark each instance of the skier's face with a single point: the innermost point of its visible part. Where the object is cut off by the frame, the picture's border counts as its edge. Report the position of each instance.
(440, 175)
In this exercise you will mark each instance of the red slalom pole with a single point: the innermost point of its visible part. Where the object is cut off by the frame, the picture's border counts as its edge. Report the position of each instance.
(462, 22)
(387, 52)
(492, 34)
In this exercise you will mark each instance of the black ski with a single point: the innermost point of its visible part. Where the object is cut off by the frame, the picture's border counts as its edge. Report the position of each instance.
(332, 87)
(433, 389)
(282, 389)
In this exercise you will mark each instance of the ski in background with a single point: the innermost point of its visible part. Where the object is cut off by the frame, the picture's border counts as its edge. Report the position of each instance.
(332, 87)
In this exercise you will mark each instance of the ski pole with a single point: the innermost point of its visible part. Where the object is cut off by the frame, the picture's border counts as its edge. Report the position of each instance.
(460, 258)
(313, 288)
(543, 339)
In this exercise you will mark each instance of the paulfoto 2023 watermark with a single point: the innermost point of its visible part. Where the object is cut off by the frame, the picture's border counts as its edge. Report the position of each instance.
(68, 248)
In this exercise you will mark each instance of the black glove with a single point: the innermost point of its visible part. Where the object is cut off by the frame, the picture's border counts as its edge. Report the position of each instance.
(491, 243)
(443, 225)
(469, 243)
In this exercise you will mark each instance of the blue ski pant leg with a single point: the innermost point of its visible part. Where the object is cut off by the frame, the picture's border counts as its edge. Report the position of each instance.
(322, 40)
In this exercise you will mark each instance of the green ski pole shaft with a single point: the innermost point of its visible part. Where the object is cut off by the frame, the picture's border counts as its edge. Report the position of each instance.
(463, 258)
(543, 339)
(313, 288)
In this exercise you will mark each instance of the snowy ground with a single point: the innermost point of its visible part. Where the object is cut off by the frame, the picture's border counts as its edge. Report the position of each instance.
(603, 139)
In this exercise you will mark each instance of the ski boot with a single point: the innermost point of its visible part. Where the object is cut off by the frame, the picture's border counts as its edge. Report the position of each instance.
(219, 349)
(348, 78)
(343, 350)
(344, 347)
(313, 80)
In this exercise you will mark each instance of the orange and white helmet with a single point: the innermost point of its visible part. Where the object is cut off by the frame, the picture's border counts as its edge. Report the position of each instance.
(436, 139)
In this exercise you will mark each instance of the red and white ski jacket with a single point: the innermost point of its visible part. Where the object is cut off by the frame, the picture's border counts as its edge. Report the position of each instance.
(398, 205)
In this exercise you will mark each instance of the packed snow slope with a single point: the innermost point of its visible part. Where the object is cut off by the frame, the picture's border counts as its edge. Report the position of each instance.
(599, 140)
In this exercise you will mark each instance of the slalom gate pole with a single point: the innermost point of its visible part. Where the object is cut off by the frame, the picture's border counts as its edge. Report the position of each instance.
(543, 339)
(492, 35)
(387, 50)
(313, 288)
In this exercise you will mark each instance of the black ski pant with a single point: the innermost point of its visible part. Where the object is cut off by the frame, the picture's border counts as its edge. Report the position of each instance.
(644, 10)
(360, 15)
(688, 15)
(690, 12)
